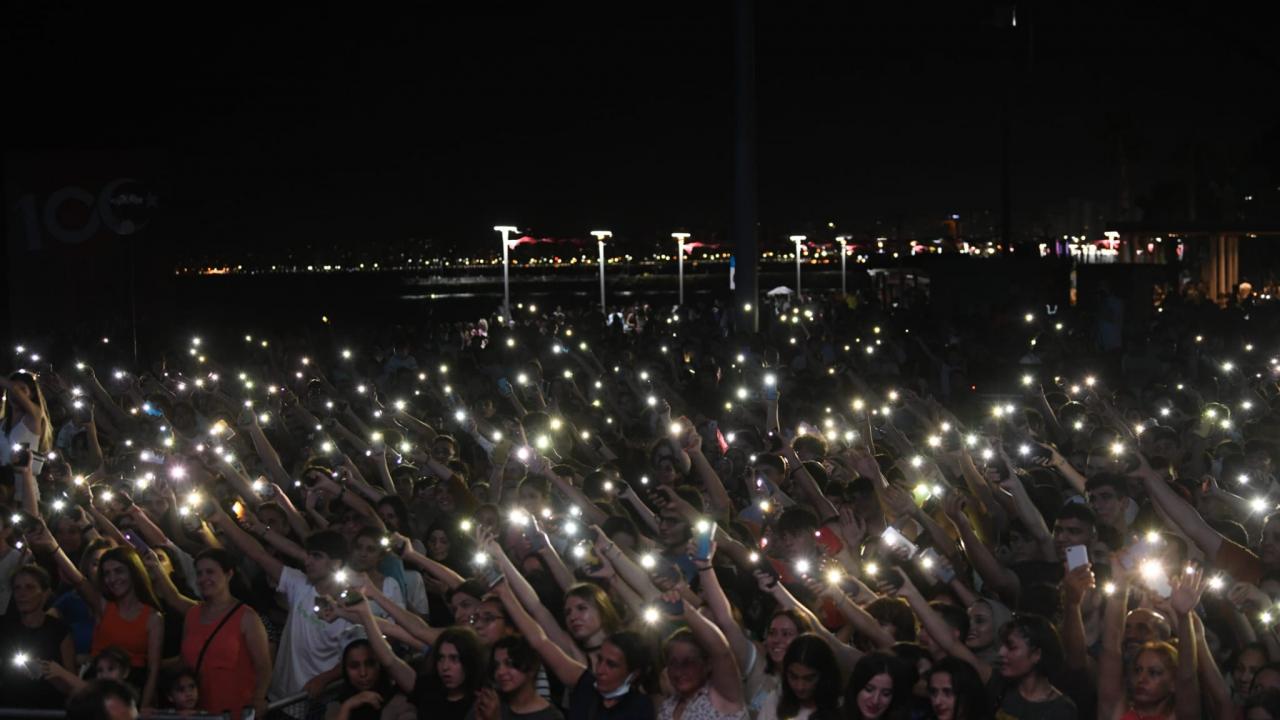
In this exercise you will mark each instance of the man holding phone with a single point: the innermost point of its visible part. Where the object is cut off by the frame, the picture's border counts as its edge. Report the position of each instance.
(1075, 525)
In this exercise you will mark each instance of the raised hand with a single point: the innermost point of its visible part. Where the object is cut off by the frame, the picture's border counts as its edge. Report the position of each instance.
(1187, 589)
(765, 581)
(898, 501)
(1076, 584)
(487, 705)
(953, 506)
(853, 530)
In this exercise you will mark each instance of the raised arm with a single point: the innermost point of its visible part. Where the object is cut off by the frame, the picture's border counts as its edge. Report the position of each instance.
(1180, 512)
(270, 564)
(1111, 683)
(404, 676)
(353, 501)
(939, 630)
(413, 625)
(43, 539)
(722, 612)
(846, 654)
(1001, 579)
(438, 571)
(591, 513)
(566, 668)
(1187, 588)
(1211, 680)
(1075, 586)
(521, 589)
(726, 679)
(818, 502)
(628, 571)
(270, 458)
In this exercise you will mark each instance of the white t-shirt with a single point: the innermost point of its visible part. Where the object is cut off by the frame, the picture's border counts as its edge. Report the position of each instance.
(770, 709)
(390, 588)
(308, 645)
(417, 591)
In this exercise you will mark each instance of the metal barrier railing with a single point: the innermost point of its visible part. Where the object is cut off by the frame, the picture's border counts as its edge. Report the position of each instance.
(34, 714)
(300, 705)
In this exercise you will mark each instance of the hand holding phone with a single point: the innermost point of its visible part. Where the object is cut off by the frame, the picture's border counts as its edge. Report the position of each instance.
(706, 532)
(1077, 556)
(898, 542)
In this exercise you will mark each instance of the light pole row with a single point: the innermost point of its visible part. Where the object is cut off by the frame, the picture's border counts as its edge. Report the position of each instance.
(680, 237)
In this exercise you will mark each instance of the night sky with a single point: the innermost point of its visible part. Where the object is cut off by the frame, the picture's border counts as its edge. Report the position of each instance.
(351, 122)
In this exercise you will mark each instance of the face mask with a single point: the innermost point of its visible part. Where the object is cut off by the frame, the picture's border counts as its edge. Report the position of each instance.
(618, 692)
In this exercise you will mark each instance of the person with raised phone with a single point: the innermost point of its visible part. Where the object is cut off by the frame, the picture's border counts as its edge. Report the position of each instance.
(310, 649)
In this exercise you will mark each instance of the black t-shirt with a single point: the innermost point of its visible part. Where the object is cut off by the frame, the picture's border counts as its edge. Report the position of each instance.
(585, 703)
(42, 643)
(429, 698)
(1010, 705)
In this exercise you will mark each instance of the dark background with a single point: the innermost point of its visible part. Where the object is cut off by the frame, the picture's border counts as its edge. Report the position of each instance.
(283, 124)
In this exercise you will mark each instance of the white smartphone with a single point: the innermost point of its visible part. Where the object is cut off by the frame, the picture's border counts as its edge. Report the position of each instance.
(893, 538)
(1077, 555)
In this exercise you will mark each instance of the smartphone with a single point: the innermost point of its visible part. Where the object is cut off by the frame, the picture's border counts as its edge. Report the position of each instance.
(21, 455)
(932, 563)
(537, 540)
(1077, 556)
(702, 541)
(504, 387)
(492, 574)
(136, 541)
(23, 522)
(121, 500)
(893, 538)
(892, 578)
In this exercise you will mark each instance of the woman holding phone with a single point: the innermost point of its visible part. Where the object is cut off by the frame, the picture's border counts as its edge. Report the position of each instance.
(125, 605)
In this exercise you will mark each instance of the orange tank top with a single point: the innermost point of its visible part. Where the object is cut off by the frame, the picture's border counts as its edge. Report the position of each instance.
(227, 675)
(128, 635)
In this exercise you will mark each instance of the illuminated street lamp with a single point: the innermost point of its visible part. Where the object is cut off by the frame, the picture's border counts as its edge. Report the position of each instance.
(680, 238)
(797, 239)
(844, 251)
(506, 231)
(600, 235)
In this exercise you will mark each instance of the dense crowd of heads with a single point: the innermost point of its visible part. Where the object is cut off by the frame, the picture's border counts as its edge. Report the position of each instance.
(863, 510)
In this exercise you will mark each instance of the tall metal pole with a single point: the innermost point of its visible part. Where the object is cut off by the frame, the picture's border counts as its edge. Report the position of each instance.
(600, 236)
(844, 253)
(680, 238)
(506, 231)
(746, 254)
(797, 239)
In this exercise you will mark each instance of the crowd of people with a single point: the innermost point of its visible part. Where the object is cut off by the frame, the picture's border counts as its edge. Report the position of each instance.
(656, 517)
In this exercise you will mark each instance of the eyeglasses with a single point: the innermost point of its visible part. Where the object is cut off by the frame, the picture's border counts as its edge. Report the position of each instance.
(664, 520)
(483, 619)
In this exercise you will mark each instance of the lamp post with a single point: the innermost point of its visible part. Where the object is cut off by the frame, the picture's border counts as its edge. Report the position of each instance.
(506, 231)
(797, 239)
(844, 252)
(600, 235)
(680, 238)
